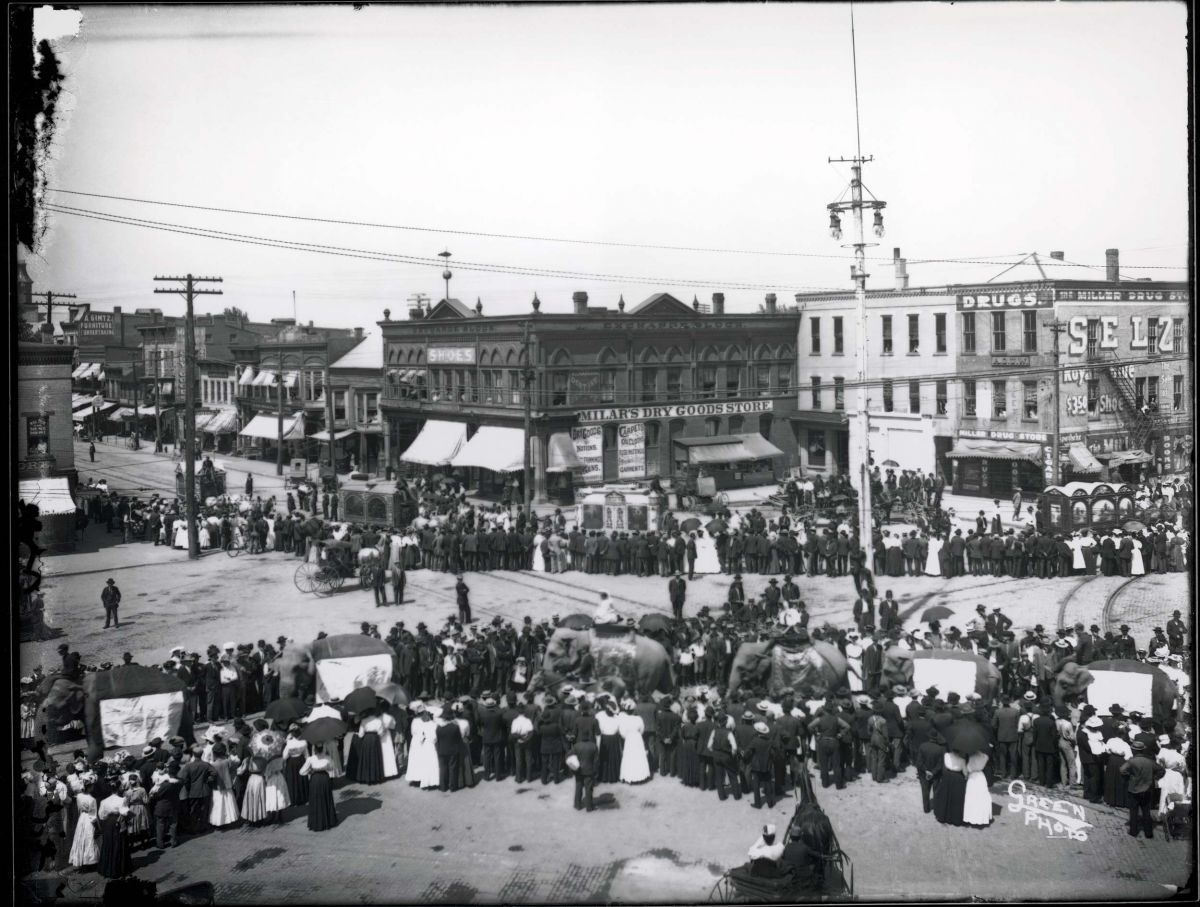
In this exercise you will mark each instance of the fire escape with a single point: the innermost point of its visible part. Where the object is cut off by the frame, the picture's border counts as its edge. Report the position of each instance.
(1143, 418)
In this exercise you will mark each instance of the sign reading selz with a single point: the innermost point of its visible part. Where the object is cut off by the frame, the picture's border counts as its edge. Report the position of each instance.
(677, 411)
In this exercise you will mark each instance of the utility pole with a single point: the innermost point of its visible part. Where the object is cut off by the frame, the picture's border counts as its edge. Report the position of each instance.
(527, 374)
(190, 291)
(447, 273)
(329, 414)
(1055, 477)
(279, 432)
(860, 427)
(158, 445)
(50, 297)
(137, 419)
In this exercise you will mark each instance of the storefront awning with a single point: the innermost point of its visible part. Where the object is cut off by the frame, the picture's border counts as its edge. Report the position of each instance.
(264, 378)
(563, 457)
(1121, 457)
(78, 400)
(87, 370)
(979, 448)
(290, 379)
(494, 448)
(437, 444)
(266, 425)
(729, 448)
(1083, 461)
(52, 494)
(222, 422)
(247, 376)
(120, 414)
(820, 417)
(80, 369)
(337, 435)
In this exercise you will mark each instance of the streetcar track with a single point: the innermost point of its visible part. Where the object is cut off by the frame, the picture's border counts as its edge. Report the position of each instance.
(1106, 611)
(562, 583)
(1062, 608)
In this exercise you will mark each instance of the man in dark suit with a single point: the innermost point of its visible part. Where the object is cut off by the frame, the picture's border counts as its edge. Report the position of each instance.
(957, 547)
(1004, 723)
(909, 548)
(737, 594)
(677, 589)
(196, 779)
(1123, 645)
(551, 748)
(493, 732)
(588, 754)
(930, 761)
(448, 742)
(690, 551)
(164, 806)
(1125, 555)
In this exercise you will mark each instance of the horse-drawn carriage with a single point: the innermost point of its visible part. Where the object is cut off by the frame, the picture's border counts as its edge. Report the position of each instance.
(330, 563)
(210, 480)
(831, 875)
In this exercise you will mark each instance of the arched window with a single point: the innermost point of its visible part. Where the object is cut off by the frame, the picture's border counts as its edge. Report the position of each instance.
(560, 357)
(649, 354)
(607, 357)
(675, 354)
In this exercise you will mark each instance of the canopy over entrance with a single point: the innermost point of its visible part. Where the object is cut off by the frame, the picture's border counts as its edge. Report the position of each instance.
(979, 448)
(437, 444)
(494, 448)
(729, 448)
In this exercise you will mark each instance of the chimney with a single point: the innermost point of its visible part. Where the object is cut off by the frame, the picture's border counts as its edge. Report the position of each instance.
(358, 333)
(1058, 256)
(770, 301)
(901, 265)
(1112, 265)
(718, 304)
(580, 300)
(116, 310)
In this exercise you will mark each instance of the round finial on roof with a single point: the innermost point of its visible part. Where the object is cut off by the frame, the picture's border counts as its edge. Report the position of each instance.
(387, 314)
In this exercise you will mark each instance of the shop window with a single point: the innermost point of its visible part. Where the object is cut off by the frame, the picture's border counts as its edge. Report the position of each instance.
(999, 332)
(888, 402)
(839, 393)
(785, 378)
(816, 392)
(339, 406)
(1139, 392)
(649, 385)
(1029, 408)
(914, 396)
(939, 332)
(1029, 332)
(968, 332)
(707, 376)
(37, 436)
(674, 383)
(1093, 337)
(1093, 398)
(651, 444)
(816, 447)
(887, 335)
(733, 379)
(941, 394)
(1152, 336)
(999, 399)
(838, 338)
(489, 386)
(815, 330)
(1152, 393)
(558, 388)
(765, 423)
(515, 384)
(762, 380)
(712, 427)
(736, 423)
(1177, 393)
(970, 397)
(914, 334)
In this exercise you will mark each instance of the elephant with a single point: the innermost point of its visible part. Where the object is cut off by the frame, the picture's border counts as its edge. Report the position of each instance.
(297, 665)
(60, 701)
(899, 668)
(133, 682)
(1073, 679)
(620, 661)
(800, 667)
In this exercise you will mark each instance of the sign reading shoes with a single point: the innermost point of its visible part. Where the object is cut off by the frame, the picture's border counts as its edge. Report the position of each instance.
(450, 355)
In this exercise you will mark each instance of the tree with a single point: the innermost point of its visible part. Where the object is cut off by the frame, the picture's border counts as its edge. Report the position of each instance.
(236, 315)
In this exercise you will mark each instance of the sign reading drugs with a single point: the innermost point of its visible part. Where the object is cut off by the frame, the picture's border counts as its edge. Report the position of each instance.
(589, 446)
(991, 301)
(631, 450)
(679, 411)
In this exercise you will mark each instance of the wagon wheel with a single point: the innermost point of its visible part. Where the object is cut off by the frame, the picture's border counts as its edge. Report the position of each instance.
(723, 891)
(325, 581)
(305, 578)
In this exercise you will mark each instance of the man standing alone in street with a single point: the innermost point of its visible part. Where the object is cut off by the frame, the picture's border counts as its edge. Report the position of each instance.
(111, 598)
(678, 592)
(464, 605)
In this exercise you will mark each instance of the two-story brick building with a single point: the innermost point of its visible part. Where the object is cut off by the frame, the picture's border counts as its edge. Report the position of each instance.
(45, 451)
(615, 395)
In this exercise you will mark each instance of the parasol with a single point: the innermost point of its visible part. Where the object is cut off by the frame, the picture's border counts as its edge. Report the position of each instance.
(1133, 526)
(966, 737)
(576, 622)
(690, 524)
(360, 700)
(266, 744)
(285, 711)
(716, 525)
(393, 693)
(891, 463)
(324, 711)
(323, 730)
(937, 612)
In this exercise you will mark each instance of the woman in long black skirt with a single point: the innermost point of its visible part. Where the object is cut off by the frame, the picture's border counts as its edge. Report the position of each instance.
(351, 768)
(368, 765)
(609, 767)
(295, 751)
(321, 812)
(115, 860)
(689, 759)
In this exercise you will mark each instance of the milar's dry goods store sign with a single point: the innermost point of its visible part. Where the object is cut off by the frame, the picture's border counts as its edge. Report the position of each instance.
(679, 411)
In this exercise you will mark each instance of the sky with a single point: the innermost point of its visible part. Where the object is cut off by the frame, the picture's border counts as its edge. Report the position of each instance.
(997, 129)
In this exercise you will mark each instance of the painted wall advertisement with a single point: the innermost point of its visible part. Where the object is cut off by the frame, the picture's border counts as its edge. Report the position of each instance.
(589, 445)
(631, 450)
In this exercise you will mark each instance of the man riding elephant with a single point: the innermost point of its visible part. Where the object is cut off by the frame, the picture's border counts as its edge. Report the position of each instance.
(1134, 683)
(792, 662)
(944, 668)
(609, 656)
(330, 668)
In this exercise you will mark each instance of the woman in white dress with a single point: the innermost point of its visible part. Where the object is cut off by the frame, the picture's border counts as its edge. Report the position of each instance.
(84, 849)
(977, 805)
(1078, 565)
(1138, 564)
(270, 534)
(933, 566)
(387, 740)
(179, 534)
(205, 538)
(422, 754)
(276, 797)
(635, 767)
(539, 560)
(707, 560)
(224, 811)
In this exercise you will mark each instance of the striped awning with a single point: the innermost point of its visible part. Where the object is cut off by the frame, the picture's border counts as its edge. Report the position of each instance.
(1083, 461)
(437, 443)
(266, 426)
(290, 379)
(247, 376)
(222, 422)
(323, 435)
(80, 369)
(729, 448)
(563, 456)
(120, 414)
(982, 449)
(265, 378)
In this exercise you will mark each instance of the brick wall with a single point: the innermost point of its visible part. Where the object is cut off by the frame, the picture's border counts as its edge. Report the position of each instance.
(46, 388)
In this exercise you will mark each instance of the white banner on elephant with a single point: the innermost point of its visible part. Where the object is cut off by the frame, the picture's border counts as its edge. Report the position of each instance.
(338, 677)
(949, 675)
(136, 719)
(1130, 690)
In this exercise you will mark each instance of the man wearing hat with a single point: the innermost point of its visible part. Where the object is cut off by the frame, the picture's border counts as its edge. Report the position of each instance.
(1176, 632)
(930, 760)
(759, 758)
(1089, 740)
(772, 598)
(677, 590)
(765, 854)
(1123, 645)
(1140, 773)
(110, 597)
(461, 592)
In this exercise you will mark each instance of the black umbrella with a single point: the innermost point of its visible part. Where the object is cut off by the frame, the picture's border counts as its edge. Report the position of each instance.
(937, 612)
(285, 711)
(653, 623)
(360, 700)
(891, 463)
(323, 730)
(966, 737)
(715, 526)
(691, 524)
(576, 622)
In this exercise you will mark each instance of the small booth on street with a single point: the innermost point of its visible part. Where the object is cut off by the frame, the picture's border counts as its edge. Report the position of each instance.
(615, 508)
(377, 502)
(209, 484)
(1087, 505)
(732, 461)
